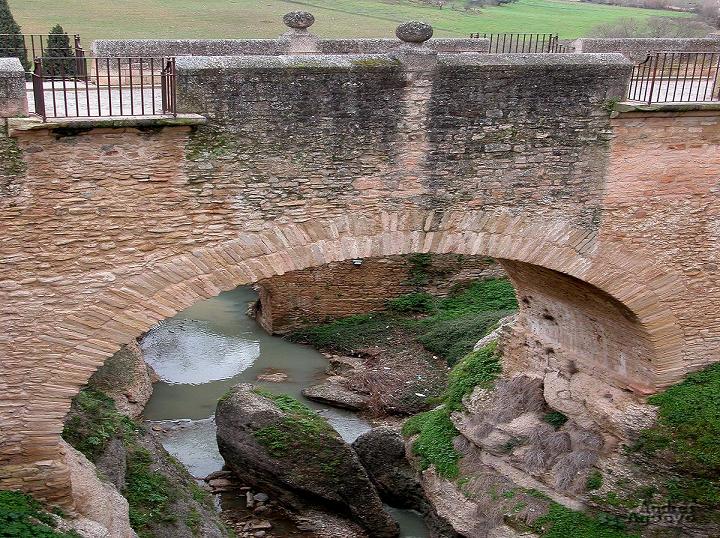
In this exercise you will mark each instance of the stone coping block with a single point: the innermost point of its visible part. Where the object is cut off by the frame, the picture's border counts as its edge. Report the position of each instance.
(552, 59)
(17, 125)
(269, 47)
(11, 67)
(339, 61)
(186, 64)
(630, 108)
(13, 96)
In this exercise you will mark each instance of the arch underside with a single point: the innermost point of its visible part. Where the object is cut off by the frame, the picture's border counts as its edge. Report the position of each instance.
(621, 287)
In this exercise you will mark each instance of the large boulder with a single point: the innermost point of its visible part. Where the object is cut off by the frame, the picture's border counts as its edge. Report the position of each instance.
(284, 448)
(382, 453)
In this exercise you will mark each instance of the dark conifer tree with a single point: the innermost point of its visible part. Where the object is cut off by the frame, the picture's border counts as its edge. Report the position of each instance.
(59, 56)
(12, 44)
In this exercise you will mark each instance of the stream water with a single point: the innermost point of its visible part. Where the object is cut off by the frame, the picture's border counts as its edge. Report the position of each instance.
(213, 345)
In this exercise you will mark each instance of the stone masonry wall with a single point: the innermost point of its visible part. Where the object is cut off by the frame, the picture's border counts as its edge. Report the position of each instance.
(311, 160)
(340, 289)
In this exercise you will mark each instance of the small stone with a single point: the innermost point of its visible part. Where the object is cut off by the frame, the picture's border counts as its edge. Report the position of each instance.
(299, 19)
(414, 32)
(261, 525)
(261, 497)
(259, 534)
(276, 377)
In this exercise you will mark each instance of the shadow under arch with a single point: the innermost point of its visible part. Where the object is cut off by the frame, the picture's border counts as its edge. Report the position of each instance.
(528, 249)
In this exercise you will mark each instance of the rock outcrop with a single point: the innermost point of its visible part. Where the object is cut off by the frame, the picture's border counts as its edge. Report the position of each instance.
(382, 453)
(283, 448)
(334, 393)
(127, 379)
(96, 500)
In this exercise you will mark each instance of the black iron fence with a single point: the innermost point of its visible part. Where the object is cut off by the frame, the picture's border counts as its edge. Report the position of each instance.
(676, 77)
(27, 47)
(523, 43)
(101, 87)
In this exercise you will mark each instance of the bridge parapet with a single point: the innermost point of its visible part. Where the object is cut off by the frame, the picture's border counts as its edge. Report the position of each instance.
(298, 40)
(13, 97)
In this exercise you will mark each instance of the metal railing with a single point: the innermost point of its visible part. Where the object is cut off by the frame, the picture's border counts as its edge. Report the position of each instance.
(523, 43)
(31, 46)
(676, 77)
(74, 87)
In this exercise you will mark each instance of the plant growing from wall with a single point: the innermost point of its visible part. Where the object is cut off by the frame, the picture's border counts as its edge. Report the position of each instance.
(12, 44)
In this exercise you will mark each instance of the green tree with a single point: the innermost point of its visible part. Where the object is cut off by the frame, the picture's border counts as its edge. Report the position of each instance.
(12, 44)
(59, 56)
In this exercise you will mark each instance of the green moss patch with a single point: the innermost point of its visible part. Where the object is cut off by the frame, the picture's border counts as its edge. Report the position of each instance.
(93, 421)
(434, 428)
(687, 436)
(450, 330)
(561, 522)
(21, 516)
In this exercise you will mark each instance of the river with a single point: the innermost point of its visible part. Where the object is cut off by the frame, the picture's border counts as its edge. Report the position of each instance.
(213, 345)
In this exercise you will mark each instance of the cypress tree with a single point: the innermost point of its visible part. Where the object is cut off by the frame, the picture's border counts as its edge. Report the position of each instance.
(59, 57)
(12, 45)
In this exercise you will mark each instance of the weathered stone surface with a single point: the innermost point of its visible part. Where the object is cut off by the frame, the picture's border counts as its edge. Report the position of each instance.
(297, 465)
(335, 394)
(382, 453)
(414, 32)
(298, 19)
(95, 500)
(127, 379)
(13, 95)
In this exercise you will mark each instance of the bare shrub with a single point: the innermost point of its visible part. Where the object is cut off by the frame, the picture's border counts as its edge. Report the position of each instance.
(672, 27)
(571, 468)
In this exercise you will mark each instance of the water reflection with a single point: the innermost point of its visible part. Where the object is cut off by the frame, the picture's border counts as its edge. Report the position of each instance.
(202, 352)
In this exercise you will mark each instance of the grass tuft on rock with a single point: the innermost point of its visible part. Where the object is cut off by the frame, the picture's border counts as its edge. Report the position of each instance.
(687, 435)
(149, 493)
(300, 428)
(93, 421)
(434, 428)
(561, 522)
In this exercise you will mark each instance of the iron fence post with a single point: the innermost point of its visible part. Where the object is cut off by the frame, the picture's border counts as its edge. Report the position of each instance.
(39, 89)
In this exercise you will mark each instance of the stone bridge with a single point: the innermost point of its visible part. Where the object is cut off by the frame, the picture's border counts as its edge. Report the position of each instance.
(606, 217)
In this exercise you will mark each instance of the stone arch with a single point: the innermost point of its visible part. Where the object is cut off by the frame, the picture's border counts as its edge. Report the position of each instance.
(127, 308)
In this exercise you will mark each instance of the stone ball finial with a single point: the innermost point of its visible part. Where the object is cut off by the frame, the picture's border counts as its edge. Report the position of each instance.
(414, 32)
(300, 20)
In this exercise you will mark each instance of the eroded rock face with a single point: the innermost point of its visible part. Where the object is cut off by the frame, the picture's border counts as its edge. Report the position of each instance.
(95, 500)
(127, 379)
(295, 456)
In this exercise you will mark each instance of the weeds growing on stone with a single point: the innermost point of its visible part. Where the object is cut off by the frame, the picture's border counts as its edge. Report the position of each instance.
(434, 428)
(687, 435)
(21, 516)
(561, 522)
(450, 330)
(93, 421)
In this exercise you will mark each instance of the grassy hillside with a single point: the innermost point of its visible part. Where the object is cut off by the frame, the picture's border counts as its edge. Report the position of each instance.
(335, 18)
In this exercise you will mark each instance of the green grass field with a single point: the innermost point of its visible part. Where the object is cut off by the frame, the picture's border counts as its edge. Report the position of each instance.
(96, 19)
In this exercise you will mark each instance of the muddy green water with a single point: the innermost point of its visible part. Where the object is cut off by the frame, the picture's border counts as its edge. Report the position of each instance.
(208, 348)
